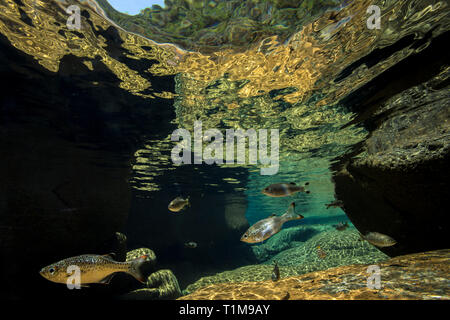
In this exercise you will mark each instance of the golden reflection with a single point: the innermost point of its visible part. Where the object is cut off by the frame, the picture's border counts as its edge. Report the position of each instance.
(288, 86)
(48, 40)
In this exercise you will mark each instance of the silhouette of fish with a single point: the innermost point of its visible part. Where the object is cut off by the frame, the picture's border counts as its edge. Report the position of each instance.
(275, 272)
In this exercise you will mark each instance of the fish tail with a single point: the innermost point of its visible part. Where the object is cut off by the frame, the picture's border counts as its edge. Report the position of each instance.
(306, 184)
(135, 268)
(303, 189)
(290, 213)
(361, 237)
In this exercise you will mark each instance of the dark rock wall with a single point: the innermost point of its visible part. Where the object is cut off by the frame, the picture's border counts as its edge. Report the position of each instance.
(396, 182)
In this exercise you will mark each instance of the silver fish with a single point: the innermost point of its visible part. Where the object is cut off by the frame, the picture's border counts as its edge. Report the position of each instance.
(267, 227)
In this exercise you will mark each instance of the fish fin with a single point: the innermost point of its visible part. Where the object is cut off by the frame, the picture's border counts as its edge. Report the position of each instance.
(135, 268)
(290, 213)
(107, 279)
(293, 183)
(110, 255)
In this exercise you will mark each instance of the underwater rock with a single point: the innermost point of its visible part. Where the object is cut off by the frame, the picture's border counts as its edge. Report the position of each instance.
(166, 283)
(396, 182)
(340, 248)
(161, 285)
(423, 276)
(150, 262)
(258, 272)
(282, 241)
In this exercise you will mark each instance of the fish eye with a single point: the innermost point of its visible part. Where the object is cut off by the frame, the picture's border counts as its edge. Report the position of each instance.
(245, 236)
(51, 270)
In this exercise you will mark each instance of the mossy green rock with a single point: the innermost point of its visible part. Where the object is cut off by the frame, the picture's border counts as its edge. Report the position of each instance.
(161, 285)
(149, 265)
(338, 248)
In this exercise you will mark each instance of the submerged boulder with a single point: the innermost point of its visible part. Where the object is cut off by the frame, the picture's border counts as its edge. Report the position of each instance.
(161, 285)
(423, 276)
(329, 249)
(339, 248)
(397, 183)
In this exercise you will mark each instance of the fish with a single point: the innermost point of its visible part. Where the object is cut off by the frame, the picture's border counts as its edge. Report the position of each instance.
(321, 253)
(335, 204)
(178, 204)
(341, 226)
(93, 269)
(265, 228)
(286, 296)
(275, 272)
(283, 189)
(191, 245)
(378, 239)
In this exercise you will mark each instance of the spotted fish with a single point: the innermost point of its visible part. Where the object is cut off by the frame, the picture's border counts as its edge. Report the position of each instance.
(93, 269)
(267, 227)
